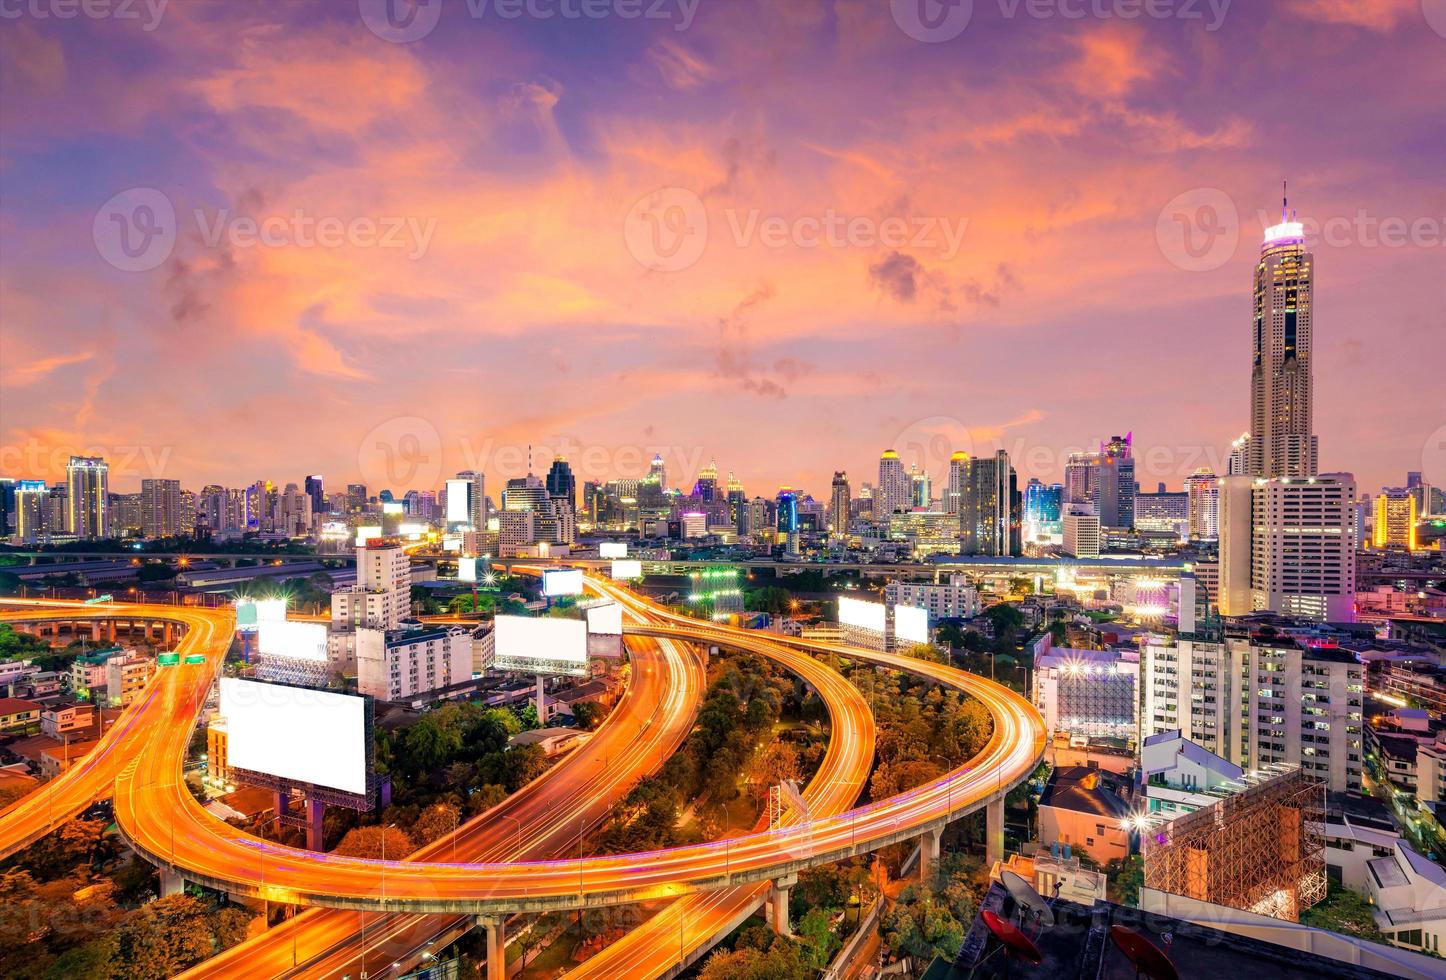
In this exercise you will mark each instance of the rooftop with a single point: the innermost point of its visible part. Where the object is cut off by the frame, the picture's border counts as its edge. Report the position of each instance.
(1083, 789)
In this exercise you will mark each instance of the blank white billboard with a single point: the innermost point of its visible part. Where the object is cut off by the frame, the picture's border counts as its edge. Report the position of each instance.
(366, 533)
(862, 614)
(911, 624)
(605, 618)
(296, 733)
(466, 569)
(540, 645)
(251, 613)
(612, 549)
(459, 501)
(627, 569)
(297, 641)
(562, 581)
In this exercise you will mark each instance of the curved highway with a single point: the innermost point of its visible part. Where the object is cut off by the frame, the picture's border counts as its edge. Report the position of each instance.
(160, 818)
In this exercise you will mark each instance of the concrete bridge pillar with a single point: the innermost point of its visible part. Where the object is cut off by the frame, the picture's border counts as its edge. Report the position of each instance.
(315, 811)
(994, 830)
(496, 927)
(171, 883)
(95, 631)
(778, 890)
(930, 847)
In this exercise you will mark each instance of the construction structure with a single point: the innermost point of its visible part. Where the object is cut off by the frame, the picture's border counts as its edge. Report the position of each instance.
(1260, 849)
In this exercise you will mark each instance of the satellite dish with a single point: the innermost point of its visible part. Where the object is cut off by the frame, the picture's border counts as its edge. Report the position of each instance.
(1149, 960)
(1025, 896)
(1016, 944)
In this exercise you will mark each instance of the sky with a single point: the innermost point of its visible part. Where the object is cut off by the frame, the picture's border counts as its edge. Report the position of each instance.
(385, 243)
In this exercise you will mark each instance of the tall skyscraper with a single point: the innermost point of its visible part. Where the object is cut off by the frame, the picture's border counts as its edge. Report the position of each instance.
(1043, 510)
(989, 520)
(894, 486)
(958, 474)
(30, 500)
(356, 498)
(706, 489)
(921, 491)
(315, 489)
(87, 501)
(737, 502)
(1105, 480)
(1203, 488)
(561, 484)
(787, 504)
(839, 499)
(161, 508)
(657, 472)
(1282, 440)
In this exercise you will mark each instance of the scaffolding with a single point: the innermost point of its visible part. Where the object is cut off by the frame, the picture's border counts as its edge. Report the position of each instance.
(1259, 849)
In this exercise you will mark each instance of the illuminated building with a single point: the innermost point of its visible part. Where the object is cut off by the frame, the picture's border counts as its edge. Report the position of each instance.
(706, 489)
(1259, 699)
(693, 524)
(1396, 515)
(657, 472)
(411, 663)
(87, 499)
(1238, 462)
(989, 513)
(474, 485)
(955, 599)
(787, 504)
(921, 492)
(958, 476)
(1163, 511)
(1105, 480)
(719, 590)
(1203, 489)
(30, 498)
(1081, 531)
(382, 594)
(160, 515)
(1088, 692)
(316, 490)
(737, 503)
(1288, 546)
(839, 503)
(1282, 443)
(1043, 511)
(893, 493)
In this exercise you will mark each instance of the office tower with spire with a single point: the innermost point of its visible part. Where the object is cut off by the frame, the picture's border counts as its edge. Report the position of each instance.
(1282, 440)
(657, 472)
(1105, 480)
(894, 487)
(87, 500)
(840, 498)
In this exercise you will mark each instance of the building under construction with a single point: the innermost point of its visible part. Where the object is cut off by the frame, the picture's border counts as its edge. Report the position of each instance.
(1259, 849)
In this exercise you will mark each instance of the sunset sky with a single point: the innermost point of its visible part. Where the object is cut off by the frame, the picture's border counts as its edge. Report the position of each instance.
(1010, 278)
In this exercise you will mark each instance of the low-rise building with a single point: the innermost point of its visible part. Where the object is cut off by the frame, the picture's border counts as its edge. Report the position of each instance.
(955, 599)
(1082, 807)
(18, 714)
(1408, 891)
(65, 717)
(1180, 777)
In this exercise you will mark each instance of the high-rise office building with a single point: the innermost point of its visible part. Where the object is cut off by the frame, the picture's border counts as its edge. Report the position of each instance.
(989, 522)
(356, 498)
(1105, 480)
(316, 490)
(1203, 489)
(1288, 546)
(1165, 511)
(1080, 530)
(1043, 510)
(706, 489)
(161, 515)
(840, 499)
(1282, 439)
(954, 489)
(382, 595)
(737, 502)
(657, 472)
(87, 501)
(1395, 519)
(561, 484)
(7, 505)
(787, 524)
(894, 487)
(921, 489)
(30, 502)
(293, 512)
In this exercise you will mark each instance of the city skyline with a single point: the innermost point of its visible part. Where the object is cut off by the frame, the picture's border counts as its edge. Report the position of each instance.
(782, 360)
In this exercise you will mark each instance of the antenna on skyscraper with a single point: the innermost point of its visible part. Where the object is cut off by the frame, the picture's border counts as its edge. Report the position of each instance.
(529, 458)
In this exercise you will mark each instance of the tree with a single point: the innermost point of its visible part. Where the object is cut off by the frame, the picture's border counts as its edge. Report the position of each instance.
(368, 842)
(820, 941)
(435, 822)
(1344, 912)
(1126, 878)
(588, 714)
(163, 938)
